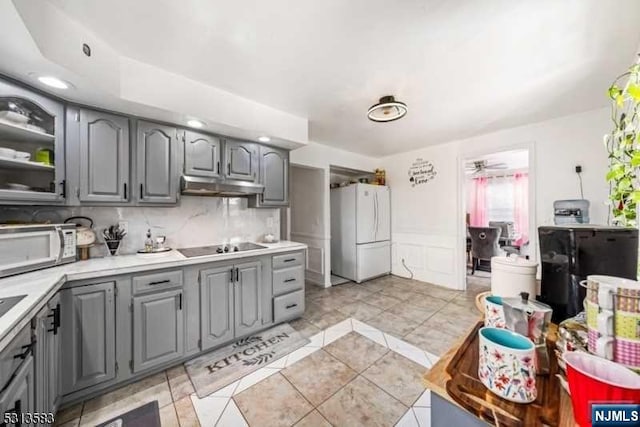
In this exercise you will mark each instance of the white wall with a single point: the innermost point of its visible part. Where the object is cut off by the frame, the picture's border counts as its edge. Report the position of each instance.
(321, 157)
(428, 220)
(307, 198)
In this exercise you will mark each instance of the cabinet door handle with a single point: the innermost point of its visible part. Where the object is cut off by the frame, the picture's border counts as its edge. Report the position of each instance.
(180, 301)
(289, 280)
(26, 349)
(237, 274)
(55, 324)
(17, 409)
(233, 275)
(289, 260)
(125, 191)
(159, 282)
(218, 168)
(141, 190)
(291, 306)
(228, 168)
(63, 184)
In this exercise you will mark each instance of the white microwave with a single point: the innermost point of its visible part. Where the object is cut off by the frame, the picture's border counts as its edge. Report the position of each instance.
(26, 248)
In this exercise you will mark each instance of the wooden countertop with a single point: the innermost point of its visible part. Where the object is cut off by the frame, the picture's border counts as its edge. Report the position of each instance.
(437, 377)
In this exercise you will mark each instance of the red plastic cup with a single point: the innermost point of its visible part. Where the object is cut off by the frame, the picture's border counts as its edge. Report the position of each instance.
(596, 380)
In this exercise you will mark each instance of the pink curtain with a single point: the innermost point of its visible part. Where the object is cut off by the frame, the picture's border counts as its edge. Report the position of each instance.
(478, 203)
(521, 207)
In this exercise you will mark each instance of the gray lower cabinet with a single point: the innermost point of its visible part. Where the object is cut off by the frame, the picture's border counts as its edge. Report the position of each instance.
(248, 297)
(241, 159)
(202, 155)
(48, 358)
(88, 336)
(158, 329)
(216, 306)
(157, 163)
(18, 399)
(104, 157)
(274, 175)
(231, 304)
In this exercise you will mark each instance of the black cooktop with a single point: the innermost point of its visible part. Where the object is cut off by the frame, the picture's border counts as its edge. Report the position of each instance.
(219, 249)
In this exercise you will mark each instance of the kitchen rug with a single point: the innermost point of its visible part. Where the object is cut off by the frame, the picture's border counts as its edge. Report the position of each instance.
(145, 416)
(212, 371)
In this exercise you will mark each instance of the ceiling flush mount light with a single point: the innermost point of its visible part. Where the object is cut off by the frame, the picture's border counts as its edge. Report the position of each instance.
(264, 139)
(195, 123)
(387, 110)
(54, 82)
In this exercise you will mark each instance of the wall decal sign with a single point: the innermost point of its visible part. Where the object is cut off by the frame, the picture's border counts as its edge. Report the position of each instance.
(421, 171)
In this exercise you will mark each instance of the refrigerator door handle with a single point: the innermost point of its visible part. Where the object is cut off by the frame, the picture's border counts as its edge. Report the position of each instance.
(377, 220)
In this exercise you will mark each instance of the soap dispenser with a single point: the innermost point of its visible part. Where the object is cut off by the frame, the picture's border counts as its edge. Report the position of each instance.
(148, 242)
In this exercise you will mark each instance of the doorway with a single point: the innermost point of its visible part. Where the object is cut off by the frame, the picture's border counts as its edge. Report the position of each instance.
(498, 211)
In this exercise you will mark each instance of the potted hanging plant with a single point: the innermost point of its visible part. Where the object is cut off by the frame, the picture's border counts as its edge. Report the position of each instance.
(623, 146)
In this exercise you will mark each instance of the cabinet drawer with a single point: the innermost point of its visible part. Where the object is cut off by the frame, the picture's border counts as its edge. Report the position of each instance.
(157, 281)
(288, 260)
(288, 306)
(12, 356)
(288, 279)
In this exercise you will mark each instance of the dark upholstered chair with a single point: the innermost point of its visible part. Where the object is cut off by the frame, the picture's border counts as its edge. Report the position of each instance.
(484, 244)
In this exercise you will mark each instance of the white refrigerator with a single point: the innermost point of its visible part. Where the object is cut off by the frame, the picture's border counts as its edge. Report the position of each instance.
(360, 231)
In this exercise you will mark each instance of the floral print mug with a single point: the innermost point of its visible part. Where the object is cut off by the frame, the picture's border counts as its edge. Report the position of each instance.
(506, 365)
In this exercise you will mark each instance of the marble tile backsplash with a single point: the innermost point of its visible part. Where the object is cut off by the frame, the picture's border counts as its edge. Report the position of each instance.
(196, 221)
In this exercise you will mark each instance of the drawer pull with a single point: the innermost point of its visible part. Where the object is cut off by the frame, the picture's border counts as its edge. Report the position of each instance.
(289, 280)
(26, 349)
(291, 306)
(159, 282)
(289, 260)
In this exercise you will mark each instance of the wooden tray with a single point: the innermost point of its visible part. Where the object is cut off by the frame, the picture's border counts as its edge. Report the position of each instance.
(467, 390)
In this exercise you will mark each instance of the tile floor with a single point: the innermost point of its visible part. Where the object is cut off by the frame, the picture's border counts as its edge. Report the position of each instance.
(370, 345)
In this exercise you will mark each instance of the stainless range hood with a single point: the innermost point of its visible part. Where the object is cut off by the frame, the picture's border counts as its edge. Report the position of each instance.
(198, 186)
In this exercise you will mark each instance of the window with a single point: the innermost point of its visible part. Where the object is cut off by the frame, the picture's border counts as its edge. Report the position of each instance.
(500, 199)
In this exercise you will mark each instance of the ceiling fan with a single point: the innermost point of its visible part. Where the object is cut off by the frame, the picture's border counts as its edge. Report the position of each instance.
(477, 167)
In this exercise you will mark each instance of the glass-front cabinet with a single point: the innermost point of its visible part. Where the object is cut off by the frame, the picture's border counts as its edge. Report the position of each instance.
(31, 147)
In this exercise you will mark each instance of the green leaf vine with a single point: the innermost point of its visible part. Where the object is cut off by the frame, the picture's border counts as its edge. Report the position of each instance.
(623, 146)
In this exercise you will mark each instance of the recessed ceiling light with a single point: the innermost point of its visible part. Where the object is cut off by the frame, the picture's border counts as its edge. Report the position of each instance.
(53, 82)
(387, 110)
(195, 123)
(264, 139)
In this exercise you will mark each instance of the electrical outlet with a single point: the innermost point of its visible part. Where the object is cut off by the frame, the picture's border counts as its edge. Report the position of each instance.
(124, 225)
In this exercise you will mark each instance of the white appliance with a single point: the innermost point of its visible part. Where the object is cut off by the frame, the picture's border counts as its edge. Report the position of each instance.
(360, 231)
(33, 247)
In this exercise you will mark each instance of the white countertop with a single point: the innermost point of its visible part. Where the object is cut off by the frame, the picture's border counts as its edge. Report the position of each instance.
(39, 286)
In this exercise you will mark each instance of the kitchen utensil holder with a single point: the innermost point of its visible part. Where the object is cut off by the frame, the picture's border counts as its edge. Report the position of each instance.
(113, 246)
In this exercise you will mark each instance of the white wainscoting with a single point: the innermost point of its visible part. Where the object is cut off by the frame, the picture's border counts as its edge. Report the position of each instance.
(431, 258)
(316, 267)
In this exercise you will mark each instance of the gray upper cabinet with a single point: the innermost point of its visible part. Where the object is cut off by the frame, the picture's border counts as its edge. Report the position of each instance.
(274, 175)
(216, 306)
(202, 155)
(157, 163)
(158, 329)
(248, 294)
(241, 159)
(104, 157)
(48, 356)
(88, 336)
